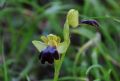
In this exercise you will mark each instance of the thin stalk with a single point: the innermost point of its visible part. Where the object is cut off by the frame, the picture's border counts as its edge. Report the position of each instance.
(57, 70)
(4, 64)
(58, 63)
(84, 47)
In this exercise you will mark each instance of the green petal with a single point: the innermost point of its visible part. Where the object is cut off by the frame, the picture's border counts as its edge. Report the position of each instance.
(39, 45)
(44, 39)
(62, 47)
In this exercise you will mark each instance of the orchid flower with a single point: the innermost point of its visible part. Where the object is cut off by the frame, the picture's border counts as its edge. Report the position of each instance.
(51, 46)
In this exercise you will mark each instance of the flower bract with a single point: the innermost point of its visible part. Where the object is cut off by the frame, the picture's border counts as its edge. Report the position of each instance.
(73, 18)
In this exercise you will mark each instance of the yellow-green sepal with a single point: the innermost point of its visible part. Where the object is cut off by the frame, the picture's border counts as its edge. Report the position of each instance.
(39, 45)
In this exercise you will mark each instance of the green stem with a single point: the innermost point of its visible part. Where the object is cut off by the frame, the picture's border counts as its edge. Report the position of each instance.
(58, 63)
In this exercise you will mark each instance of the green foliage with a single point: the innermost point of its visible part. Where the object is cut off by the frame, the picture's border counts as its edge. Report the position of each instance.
(22, 21)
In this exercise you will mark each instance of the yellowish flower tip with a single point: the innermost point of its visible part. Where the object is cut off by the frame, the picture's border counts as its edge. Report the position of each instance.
(51, 40)
(73, 17)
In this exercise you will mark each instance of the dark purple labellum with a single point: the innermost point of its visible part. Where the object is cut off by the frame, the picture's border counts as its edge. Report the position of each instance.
(49, 54)
(90, 22)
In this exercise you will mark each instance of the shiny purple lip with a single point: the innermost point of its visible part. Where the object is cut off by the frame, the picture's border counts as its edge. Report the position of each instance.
(90, 22)
(49, 54)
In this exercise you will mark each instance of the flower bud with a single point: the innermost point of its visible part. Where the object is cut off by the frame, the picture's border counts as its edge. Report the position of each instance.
(73, 18)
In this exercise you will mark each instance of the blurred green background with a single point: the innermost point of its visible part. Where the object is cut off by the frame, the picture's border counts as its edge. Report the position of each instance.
(22, 21)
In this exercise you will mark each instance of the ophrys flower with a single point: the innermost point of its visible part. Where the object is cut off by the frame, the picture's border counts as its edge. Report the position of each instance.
(50, 49)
